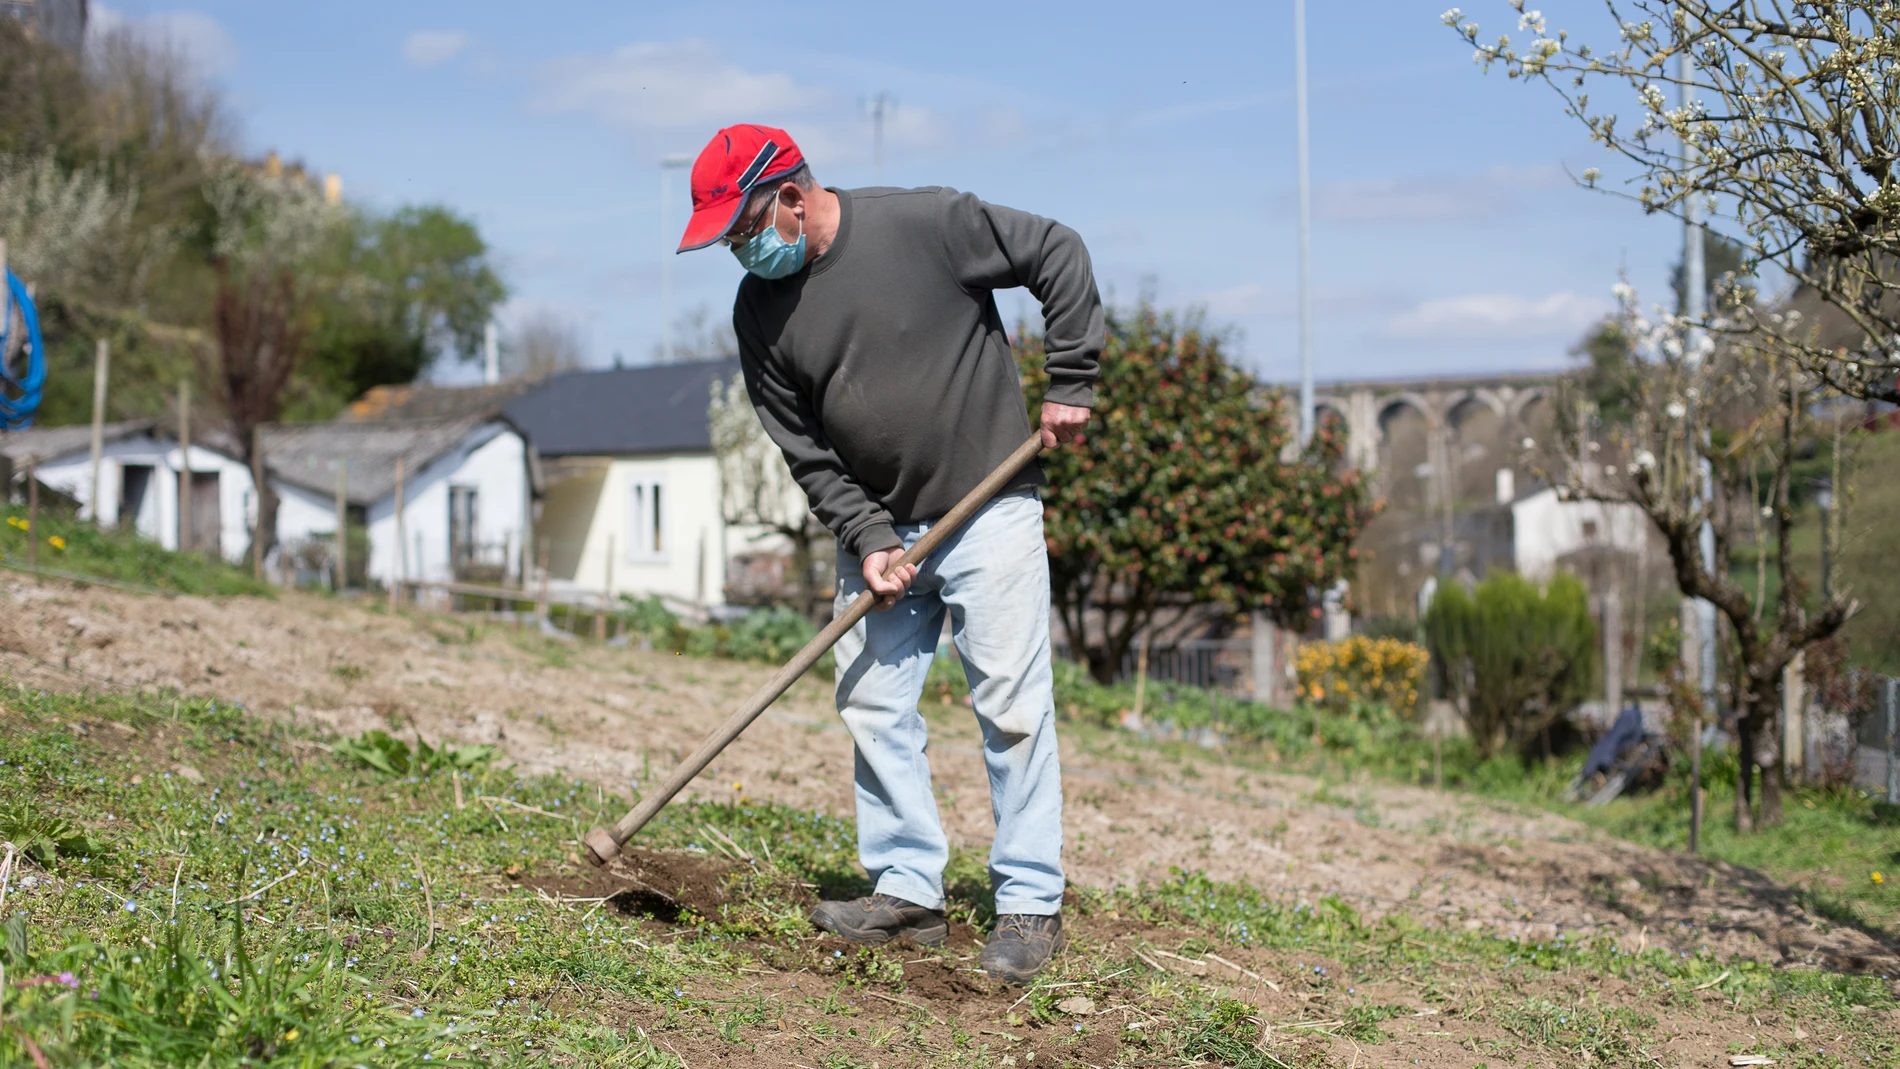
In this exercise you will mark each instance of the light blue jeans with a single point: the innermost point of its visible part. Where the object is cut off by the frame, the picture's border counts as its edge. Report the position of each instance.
(992, 577)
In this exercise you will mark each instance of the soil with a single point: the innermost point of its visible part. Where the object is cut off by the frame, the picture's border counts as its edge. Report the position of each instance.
(642, 882)
(621, 716)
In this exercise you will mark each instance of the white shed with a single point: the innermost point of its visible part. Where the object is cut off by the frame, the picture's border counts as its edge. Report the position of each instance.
(1546, 528)
(139, 481)
(633, 502)
(467, 497)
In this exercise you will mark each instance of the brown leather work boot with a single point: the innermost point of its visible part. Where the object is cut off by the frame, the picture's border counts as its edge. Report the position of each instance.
(876, 919)
(1021, 945)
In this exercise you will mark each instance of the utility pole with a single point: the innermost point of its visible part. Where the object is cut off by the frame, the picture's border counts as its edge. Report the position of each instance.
(1306, 226)
(668, 249)
(98, 422)
(491, 354)
(878, 107)
(1698, 615)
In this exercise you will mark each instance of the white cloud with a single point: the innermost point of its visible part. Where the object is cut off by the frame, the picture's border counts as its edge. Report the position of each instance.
(201, 39)
(1434, 198)
(429, 48)
(1497, 317)
(685, 83)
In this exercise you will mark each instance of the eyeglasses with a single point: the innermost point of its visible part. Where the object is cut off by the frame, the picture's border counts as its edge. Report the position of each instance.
(751, 230)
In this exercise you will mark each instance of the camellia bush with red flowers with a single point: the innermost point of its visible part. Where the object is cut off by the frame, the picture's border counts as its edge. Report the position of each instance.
(1177, 504)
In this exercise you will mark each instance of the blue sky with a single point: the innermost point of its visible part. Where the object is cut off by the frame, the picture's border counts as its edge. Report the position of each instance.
(1447, 237)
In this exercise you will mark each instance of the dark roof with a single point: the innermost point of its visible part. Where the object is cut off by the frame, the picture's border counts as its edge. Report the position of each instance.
(655, 409)
(52, 443)
(418, 401)
(305, 454)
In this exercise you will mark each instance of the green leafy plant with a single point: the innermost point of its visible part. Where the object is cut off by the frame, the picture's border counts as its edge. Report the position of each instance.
(385, 753)
(1177, 501)
(43, 836)
(1517, 656)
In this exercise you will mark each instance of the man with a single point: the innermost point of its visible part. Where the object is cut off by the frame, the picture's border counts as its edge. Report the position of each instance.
(874, 353)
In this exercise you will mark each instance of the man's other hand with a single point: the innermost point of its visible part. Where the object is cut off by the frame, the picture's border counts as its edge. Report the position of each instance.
(1062, 423)
(887, 590)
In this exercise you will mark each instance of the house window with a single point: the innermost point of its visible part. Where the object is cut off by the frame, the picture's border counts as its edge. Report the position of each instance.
(646, 519)
(462, 502)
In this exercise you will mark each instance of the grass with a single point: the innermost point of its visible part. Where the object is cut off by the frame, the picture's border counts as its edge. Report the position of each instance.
(77, 548)
(1829, 846)
(234, 894)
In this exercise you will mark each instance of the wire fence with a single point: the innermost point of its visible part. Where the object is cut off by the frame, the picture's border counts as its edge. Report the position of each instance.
(1223, 665)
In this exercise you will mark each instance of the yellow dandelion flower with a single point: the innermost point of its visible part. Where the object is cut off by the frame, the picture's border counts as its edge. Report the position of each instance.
(1878, 878)
(56, 542)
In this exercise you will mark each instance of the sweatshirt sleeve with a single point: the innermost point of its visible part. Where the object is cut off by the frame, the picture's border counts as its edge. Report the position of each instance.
(840, 502)
(992, 247)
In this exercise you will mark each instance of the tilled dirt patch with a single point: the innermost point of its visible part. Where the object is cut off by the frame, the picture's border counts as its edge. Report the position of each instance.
(641, 882)
(617, 717)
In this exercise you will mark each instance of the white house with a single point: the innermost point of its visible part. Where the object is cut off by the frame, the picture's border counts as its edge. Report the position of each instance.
(1546, 528)
(139, 481)
(468, 490)
(632, 491)
(467, 495)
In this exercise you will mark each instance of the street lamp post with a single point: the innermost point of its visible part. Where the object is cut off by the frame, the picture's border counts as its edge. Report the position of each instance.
(1699, 613)
(668, 165)
(1306, 226)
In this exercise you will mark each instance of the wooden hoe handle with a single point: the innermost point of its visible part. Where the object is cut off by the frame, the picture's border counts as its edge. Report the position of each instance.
(604, 843)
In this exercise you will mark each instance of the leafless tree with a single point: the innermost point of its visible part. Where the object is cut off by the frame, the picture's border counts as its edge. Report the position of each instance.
(758, 489)
(270, 237)
(545, 342)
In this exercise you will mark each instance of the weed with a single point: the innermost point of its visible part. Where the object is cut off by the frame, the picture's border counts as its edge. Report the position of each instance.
(385, 753)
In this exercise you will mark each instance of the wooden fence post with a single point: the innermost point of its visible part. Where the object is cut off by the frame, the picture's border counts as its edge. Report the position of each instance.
(607, 598)
(99, 366)
(395, 586)
(33, 514)
(184, 466)
(258, 490)
(342, 526)
(541, 605)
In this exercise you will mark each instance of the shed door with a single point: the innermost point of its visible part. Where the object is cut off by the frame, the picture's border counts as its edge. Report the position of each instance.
(462, 503)
(134, 481)
(207, 522)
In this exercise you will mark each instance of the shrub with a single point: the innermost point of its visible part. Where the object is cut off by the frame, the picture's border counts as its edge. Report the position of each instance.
(1515, 656)
(1359, 671)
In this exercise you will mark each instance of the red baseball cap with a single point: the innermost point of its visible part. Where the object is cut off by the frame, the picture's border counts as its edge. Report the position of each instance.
(737, 160)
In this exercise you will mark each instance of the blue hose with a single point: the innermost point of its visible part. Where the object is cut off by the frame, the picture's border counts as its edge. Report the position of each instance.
(17, 413)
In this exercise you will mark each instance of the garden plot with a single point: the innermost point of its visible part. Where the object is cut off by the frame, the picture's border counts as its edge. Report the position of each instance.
(439, 917)
(617, 717)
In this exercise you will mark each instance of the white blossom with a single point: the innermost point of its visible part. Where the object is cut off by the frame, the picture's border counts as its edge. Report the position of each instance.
(1645, 459)
(1677, 410)
(1532, 21)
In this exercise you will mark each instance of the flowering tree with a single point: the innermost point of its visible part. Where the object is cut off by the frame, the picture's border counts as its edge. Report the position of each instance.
(1747, 412)
(1178, 503)
(1792, 145)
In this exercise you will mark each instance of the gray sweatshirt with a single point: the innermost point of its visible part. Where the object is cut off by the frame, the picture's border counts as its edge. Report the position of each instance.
(881, 368)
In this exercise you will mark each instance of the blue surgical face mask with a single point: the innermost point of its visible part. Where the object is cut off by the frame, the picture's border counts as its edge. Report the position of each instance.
(768, 255)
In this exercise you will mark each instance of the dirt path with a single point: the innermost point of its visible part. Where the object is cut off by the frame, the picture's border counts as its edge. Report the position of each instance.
(614, 715)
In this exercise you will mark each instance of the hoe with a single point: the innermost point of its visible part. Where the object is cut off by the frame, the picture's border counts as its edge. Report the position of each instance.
(603, 844)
